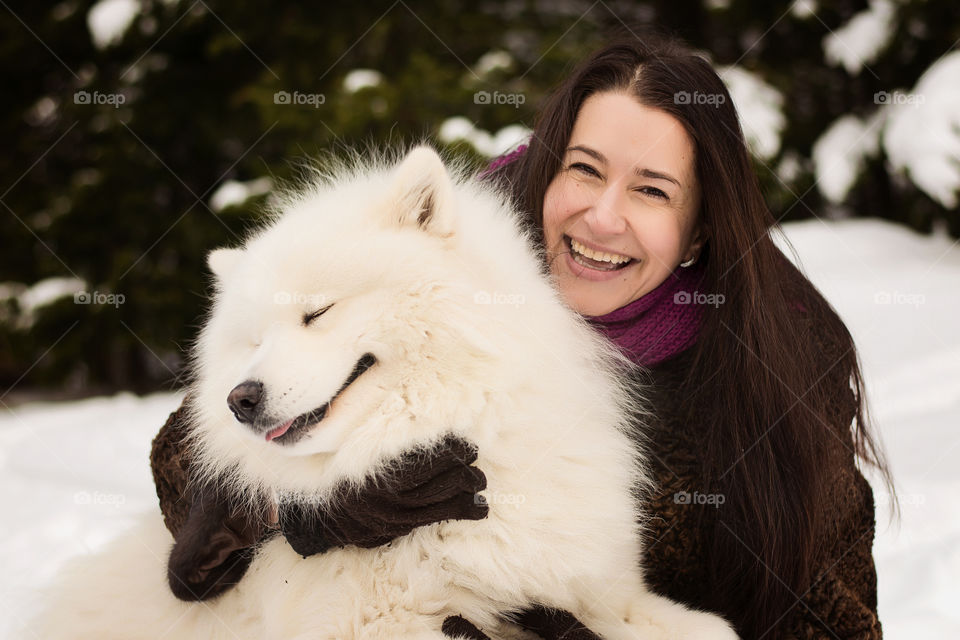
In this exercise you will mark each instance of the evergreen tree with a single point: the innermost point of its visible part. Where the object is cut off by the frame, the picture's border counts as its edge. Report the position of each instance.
(112, 152)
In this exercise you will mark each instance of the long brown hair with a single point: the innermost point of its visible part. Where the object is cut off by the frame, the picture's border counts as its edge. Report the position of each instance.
(770, 383)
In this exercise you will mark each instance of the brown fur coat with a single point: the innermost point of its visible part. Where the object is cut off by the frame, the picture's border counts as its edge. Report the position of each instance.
(842, 603)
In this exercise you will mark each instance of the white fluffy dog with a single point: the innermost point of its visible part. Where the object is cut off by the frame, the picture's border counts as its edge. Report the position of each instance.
(382, 307)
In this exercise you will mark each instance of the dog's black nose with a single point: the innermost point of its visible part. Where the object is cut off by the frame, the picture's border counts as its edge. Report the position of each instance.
(244, 400)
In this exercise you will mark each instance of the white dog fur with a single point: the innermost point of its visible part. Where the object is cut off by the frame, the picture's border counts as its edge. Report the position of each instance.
(429, 270)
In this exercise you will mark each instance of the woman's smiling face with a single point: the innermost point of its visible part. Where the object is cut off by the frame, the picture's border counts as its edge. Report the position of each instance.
(621, 213)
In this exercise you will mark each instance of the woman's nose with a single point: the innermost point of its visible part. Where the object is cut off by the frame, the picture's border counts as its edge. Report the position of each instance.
(605, 216)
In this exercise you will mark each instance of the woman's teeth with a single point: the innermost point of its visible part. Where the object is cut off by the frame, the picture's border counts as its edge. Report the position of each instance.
(600, 260)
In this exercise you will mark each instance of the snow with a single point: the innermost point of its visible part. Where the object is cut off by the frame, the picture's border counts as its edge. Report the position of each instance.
(361, 79)
(918, 130)
(839, 155)
(922, 133)
(861, 40)
(899, 293)
(803, 9)
(717, 5)
(49, 290)
(790, 166)
(108, 20)
(74, 475)
(760, 107)
(232, 192)
(30, 299)
(487, 144)
(491, 61)
(43, 111)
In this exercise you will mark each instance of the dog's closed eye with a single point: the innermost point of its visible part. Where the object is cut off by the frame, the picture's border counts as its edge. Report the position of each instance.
(310, 317)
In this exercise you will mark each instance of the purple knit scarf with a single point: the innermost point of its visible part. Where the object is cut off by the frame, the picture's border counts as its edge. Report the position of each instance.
(503, 160)
(659, 324)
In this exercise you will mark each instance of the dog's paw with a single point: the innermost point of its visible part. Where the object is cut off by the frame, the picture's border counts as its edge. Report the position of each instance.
(653, 616)
(707, 626)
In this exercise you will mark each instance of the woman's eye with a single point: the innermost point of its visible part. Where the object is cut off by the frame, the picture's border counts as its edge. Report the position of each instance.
(585, 168)
(656, 193)
(310, 317)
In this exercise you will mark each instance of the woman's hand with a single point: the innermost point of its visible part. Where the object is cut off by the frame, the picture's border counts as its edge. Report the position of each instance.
(419, 488)
(214, 546)
(214, 538)
(550, 624)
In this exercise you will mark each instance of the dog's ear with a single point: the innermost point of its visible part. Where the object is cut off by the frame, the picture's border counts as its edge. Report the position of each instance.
(422, 193)
(223, 261)
(213, 548)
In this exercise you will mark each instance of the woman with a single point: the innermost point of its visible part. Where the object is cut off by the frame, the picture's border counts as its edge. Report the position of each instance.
(654, 226)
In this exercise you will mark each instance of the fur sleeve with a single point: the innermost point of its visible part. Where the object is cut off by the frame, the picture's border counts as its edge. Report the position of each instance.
(170, 463)
(842, 602)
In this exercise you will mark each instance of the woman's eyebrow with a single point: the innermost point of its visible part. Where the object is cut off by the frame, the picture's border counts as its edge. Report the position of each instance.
(650, 173)
(645, 173)
(593, 153)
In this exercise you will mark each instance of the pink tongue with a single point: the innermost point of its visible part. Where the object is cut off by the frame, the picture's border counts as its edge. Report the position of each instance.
(279, 431)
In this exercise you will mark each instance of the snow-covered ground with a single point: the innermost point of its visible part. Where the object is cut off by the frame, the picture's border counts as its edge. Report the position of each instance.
(74, 475)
